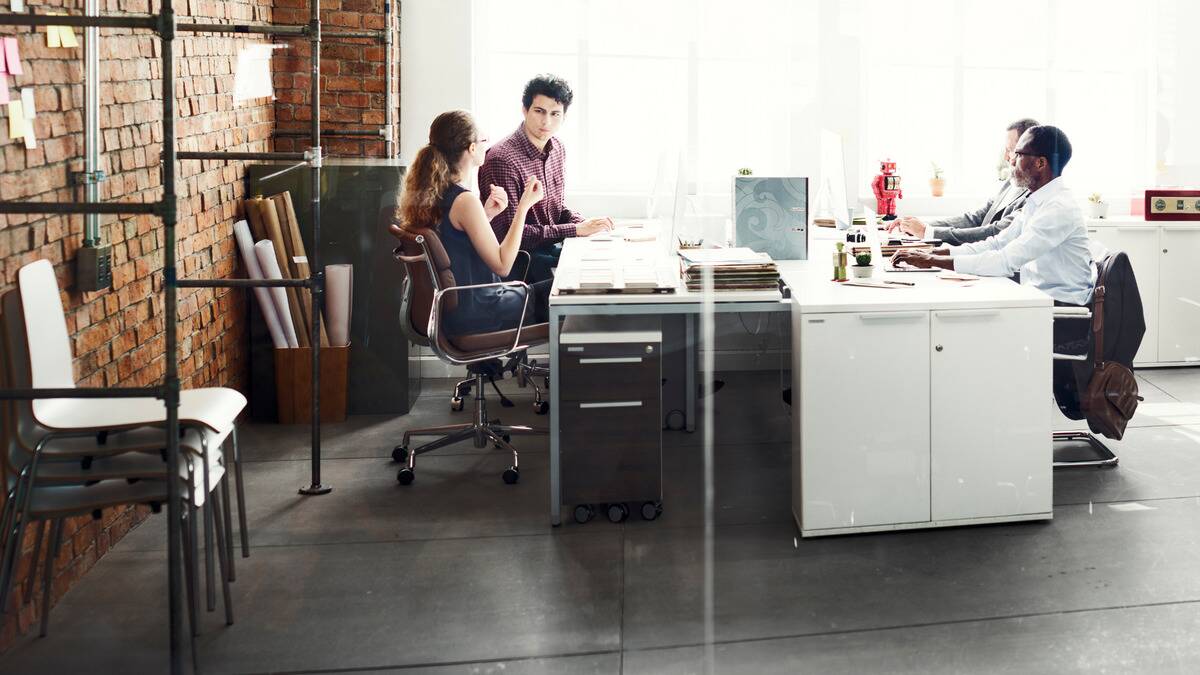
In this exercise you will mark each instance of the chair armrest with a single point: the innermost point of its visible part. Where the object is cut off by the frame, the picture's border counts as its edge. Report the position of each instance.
(528, 263)
(435, 314)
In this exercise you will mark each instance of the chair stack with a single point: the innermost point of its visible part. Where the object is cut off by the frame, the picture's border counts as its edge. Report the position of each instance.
(73, 457)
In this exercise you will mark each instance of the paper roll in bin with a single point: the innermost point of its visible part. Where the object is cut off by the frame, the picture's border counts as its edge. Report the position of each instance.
(293, 384)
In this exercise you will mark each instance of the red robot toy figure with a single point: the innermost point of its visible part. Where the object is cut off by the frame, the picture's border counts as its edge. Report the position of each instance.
(887, 190)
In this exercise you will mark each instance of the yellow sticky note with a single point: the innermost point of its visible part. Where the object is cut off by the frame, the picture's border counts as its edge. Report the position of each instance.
(16, 120)
(53, 40)
(67, 36)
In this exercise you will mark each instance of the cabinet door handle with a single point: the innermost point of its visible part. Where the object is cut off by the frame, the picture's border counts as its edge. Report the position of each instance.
(1134, 228)
(1181, 228)
(892, 316)
(1092, 230)
(612, 359)
(967, 313)
(611, 404)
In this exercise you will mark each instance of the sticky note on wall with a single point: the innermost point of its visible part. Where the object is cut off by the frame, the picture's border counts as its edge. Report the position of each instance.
(53, 40)
(12, 55)
(3, 90)
(67, 35)
(27, 107)
(16, 120)
(30, 135)
(16, 5)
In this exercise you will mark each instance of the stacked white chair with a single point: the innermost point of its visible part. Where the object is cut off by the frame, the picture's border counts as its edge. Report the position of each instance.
(66, 457)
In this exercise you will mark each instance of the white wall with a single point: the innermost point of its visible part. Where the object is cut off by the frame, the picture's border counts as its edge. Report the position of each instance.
(435, 66)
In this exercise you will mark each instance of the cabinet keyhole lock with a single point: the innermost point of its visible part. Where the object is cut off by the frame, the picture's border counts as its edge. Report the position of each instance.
(1164, 250)
(649, 349)
(938, 348)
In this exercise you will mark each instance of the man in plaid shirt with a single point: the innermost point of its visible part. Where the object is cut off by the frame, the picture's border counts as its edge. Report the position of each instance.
(532, 150)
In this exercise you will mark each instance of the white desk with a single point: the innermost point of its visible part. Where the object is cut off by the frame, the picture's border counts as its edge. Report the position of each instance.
(918, 407)
(913, 407)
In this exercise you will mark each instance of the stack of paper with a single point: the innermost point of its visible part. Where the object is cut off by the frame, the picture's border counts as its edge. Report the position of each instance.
(888, 250)
(733, 269)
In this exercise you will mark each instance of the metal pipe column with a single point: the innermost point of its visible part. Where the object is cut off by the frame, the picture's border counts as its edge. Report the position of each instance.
(170, 327)
(91, 133)
(318, 274)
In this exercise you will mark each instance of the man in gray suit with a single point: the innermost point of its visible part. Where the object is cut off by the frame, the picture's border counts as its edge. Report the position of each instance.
(988, 220)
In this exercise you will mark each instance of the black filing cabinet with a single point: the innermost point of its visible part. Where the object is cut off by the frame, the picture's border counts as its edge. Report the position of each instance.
(610, 415)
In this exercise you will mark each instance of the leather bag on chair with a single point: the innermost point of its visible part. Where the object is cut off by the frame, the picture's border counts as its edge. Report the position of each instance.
(1111, 396)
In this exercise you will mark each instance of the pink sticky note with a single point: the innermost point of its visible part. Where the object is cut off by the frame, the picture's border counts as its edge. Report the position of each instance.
(12, 54)
(3, 68)
(3, 89)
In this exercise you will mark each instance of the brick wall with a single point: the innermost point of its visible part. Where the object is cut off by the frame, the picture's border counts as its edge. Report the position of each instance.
(117, 335)
(352, 77)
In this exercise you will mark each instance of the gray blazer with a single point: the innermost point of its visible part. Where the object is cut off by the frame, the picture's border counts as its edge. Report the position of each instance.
(984, 222)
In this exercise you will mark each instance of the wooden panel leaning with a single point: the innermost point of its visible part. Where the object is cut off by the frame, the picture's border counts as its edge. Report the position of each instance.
(297, 257)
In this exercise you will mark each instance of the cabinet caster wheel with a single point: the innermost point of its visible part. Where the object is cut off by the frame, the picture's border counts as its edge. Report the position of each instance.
(405, 476)
(651, 510)
(456, 403)
(617, 513)
(512, 475)
(541, 407)
(584, 513)
(399, 454)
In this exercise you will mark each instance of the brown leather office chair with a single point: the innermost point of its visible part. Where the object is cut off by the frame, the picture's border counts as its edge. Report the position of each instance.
(429, 293)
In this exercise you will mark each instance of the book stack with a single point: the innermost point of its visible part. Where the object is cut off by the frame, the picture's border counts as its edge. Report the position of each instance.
(733, 269)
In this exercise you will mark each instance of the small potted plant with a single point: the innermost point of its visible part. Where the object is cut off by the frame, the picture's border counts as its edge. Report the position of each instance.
(1097, 207)
(937, 184)
(862, 266)
(745, 171)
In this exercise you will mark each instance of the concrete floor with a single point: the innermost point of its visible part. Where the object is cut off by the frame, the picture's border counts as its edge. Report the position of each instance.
(460, 573)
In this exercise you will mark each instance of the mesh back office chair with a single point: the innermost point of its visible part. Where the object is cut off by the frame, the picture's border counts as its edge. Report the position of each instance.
(1119, 333)
(430, 292)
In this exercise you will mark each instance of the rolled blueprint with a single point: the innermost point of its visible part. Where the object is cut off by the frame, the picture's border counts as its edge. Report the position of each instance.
(245, 243)
(339, 296)
(265, 251)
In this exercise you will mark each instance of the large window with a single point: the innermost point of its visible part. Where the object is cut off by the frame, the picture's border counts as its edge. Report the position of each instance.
(752, 83)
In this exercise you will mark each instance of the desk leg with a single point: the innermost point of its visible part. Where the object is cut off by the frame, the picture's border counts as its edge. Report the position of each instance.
(689, 322)
(555, 417)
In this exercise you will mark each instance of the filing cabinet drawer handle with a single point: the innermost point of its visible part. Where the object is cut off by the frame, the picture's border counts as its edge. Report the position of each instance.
(967, 313)
(612, 359)
(892, 316)
(612, 404)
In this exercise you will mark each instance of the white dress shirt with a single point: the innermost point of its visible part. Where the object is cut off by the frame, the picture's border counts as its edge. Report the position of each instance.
(1047, 242)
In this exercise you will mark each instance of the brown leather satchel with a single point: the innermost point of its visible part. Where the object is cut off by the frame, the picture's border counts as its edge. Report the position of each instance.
(1111, 397)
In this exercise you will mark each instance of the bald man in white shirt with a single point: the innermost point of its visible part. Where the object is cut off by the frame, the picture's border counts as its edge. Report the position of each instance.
(1047, 241)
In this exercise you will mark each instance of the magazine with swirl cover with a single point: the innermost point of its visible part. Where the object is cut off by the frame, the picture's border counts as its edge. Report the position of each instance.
(770, 215)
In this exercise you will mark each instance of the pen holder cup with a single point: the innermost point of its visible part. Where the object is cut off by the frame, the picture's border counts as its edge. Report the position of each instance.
(293, 384)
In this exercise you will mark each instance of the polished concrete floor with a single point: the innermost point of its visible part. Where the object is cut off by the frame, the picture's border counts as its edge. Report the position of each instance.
(460, 573)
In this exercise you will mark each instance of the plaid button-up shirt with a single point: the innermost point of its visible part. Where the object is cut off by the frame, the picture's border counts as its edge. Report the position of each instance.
(509, 163)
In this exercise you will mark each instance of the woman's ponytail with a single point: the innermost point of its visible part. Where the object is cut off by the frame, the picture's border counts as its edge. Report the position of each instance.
(431, 172)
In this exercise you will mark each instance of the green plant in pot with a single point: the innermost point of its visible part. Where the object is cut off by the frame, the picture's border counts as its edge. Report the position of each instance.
(937, 183)
(862, 267)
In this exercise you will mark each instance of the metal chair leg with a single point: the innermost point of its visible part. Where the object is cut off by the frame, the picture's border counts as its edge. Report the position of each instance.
(241, 496)
(227, 517)
(189, 563)
(223, 557)
(1105, 457)
(52, 548)
(210, 581)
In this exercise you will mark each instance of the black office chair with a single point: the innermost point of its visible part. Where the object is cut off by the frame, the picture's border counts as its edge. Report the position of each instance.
(1116, 322)
(429, 292)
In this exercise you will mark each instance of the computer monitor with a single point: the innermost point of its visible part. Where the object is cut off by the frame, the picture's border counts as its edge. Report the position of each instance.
(832, 198)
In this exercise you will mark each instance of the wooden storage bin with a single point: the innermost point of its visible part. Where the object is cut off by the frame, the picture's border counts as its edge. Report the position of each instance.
(293, 384)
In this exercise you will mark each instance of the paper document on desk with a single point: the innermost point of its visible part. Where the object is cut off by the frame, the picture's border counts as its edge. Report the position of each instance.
(724, 256)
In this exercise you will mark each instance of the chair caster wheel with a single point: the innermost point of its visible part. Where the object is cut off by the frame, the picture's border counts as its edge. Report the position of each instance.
(584, 513)
(541, 407)
(617, 513)
(651, 510)
(405, 476)
(507, 439)
(511, 475)
(456, 403)
(399, 454)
